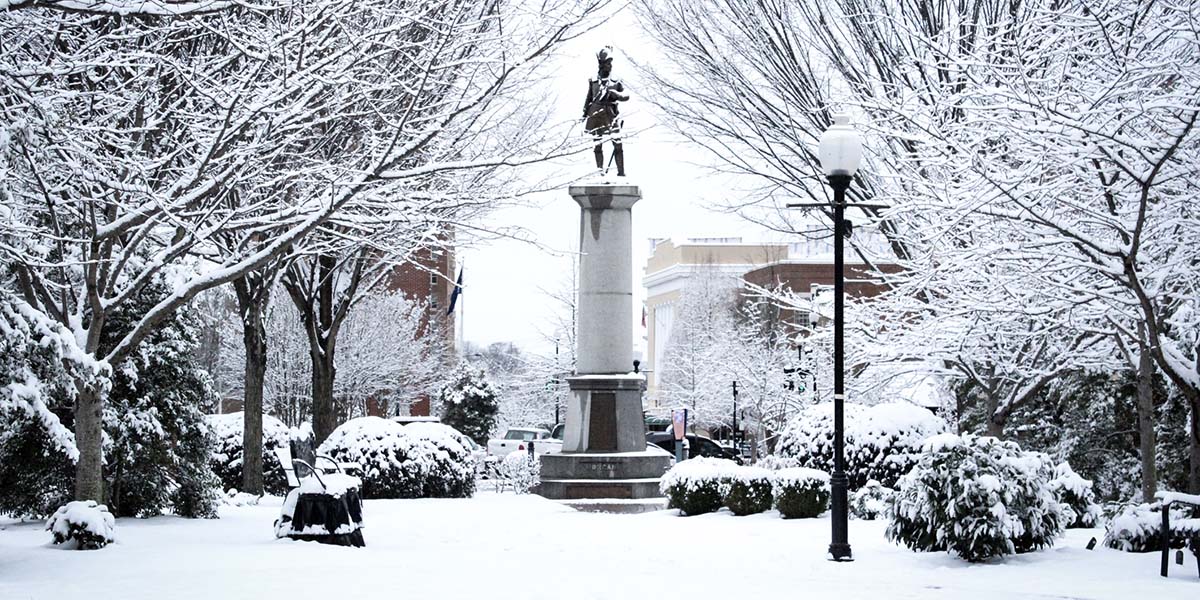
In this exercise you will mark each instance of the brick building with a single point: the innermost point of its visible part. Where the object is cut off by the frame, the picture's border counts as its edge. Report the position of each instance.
(429, 277)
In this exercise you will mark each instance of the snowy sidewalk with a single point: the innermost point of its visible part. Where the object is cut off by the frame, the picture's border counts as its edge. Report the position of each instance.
(507, 546)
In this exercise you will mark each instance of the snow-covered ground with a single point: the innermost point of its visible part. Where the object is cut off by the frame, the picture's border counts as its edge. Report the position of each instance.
(508, 546)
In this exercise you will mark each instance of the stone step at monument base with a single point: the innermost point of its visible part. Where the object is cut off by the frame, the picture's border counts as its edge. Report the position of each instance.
(645, 464)
(617, 505)
(585, 489)
(602, 475)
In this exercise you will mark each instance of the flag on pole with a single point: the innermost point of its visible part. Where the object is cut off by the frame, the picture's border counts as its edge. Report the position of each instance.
(643, 316)
(457, 291)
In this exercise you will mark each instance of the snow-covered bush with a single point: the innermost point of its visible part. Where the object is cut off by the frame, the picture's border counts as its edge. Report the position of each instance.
(697, 486)
(1138, 528)
(226, 458)
(871, 501)
(977, 497)
(37, 474)
(396, 463)
(1075, 494)
(882, 442)
(774, 462)
(521, 472)
(748, 490)
(40, 364)
(85, 524)
(470, 404)
(801, 493)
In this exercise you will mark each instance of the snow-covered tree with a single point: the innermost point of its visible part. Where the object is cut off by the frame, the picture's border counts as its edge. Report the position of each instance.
(469, 403)
(695, 370)
(1050, 143)
(391, 349)
(158, 440)
(136, 137)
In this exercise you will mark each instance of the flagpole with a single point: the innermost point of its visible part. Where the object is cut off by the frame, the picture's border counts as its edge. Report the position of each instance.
(462, 313)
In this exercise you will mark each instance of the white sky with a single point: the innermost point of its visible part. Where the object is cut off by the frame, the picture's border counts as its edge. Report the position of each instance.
(502, 299)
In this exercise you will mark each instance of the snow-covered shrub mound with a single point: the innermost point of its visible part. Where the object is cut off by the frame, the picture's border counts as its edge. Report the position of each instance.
(801, 493)
(1138, 528)
(1077, 497)
(397, 462)
(977, 497)
(452, 472)
(227, 453)
(871, 501)
(521, 471)
(697, 486)
(748, 490)
(774, 462)
(882, 442)
(84, 524)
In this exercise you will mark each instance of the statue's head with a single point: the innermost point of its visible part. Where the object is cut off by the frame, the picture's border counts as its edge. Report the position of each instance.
(604, 59)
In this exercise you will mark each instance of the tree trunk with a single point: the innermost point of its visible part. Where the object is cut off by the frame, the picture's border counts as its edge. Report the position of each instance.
(995, 427)
(995, 420)
(254, 338)
(323, 372)
(1146, 422)
(89, 439)
(1194, 471)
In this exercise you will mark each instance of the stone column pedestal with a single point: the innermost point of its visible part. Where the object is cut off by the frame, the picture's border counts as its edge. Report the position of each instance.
(604, 443)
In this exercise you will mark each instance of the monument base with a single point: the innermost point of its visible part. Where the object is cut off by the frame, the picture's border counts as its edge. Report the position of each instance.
(604, 447)
(625, 475)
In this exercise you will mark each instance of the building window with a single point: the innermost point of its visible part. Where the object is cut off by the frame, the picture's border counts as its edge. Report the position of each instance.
(433, 279)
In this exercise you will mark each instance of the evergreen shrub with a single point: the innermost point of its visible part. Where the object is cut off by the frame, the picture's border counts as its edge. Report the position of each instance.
(397, 462)
(697, 486)
(84, 525)
(1077, 497)
(871, 501)
(978, 498)
(1138, 528)
(801, 493)
(748, 490)
(882, 442)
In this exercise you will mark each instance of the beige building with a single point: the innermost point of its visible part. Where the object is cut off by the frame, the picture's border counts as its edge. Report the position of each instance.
(670, 266)
(800, 266)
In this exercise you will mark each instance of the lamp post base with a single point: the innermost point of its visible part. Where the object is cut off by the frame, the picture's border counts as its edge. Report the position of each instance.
(840, 553)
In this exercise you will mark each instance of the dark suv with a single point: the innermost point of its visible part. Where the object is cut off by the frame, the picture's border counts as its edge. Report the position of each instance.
(698, 445)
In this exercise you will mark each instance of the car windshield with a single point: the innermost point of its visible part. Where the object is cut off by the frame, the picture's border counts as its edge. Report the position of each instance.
(515, 434)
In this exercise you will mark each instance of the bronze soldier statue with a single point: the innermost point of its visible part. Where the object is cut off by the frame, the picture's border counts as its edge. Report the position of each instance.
(600, 111)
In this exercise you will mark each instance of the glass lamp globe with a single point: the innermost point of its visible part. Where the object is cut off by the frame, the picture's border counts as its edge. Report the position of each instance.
(840, 150)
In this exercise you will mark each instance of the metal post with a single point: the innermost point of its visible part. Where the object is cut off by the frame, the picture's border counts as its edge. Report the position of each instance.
(839, 548)
(734, 434)
(1166, 537)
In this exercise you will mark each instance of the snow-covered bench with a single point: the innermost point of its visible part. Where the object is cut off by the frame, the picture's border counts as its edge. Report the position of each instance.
(322, 505)
(1188, 529)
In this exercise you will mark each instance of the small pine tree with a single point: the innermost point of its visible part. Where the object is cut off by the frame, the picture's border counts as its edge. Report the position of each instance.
(469, 403)
(158, 454)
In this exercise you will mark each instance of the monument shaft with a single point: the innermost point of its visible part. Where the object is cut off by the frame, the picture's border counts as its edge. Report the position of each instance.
(604, 451)
(605, 329)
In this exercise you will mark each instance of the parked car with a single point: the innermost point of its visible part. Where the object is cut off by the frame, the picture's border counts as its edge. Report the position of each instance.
(697, 445)
(480, 455)
(517, 439)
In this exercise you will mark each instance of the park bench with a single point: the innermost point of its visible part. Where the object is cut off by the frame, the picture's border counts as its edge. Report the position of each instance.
(1180, 533)
(322, 505)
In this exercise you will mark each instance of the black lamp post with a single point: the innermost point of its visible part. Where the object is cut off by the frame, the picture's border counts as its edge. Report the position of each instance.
(840, 152)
